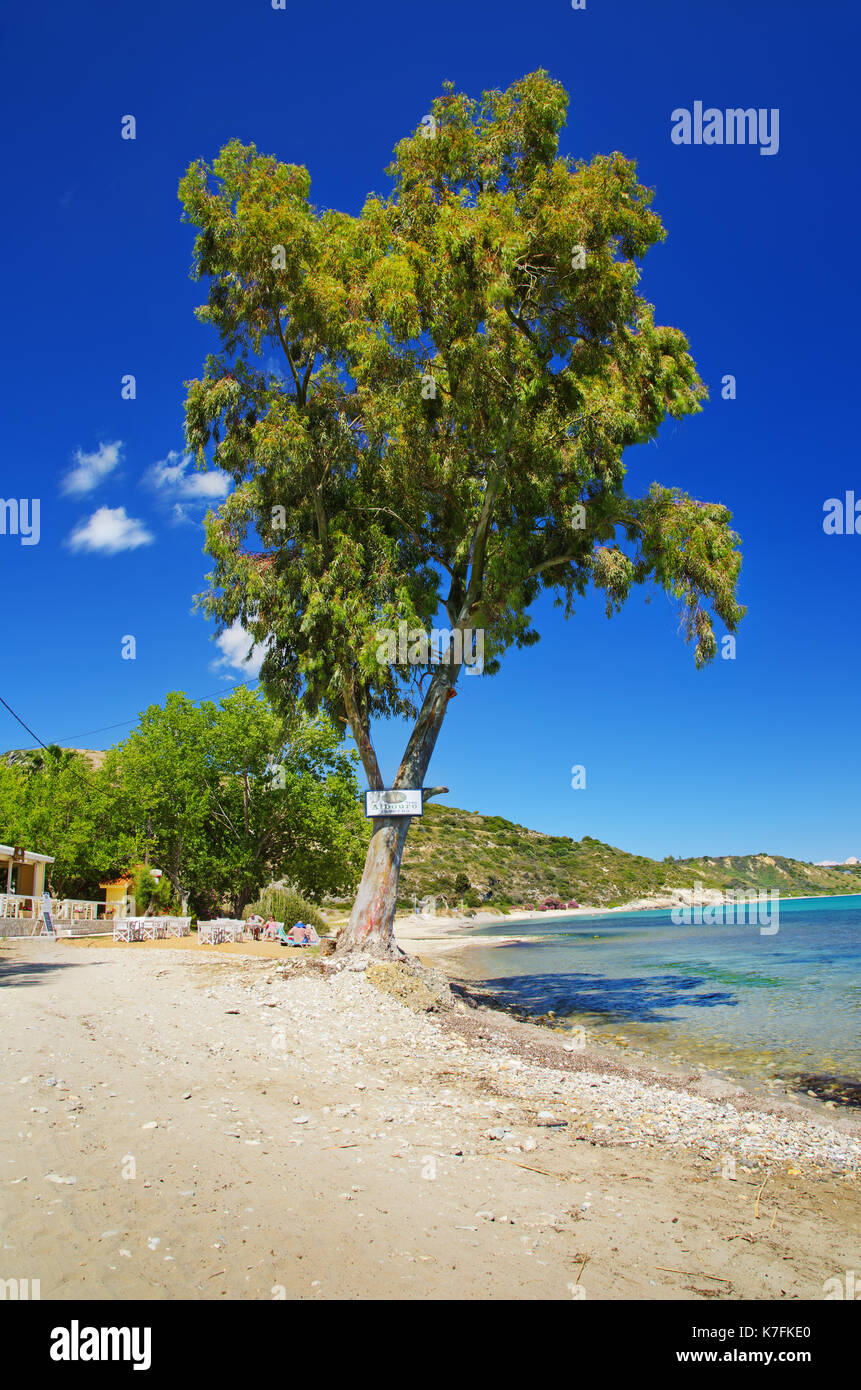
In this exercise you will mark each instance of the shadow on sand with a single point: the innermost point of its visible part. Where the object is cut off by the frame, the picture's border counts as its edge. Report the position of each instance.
(15, 972)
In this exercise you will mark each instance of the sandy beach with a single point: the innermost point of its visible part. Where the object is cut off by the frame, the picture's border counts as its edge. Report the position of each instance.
(422, 933)
(184, 1123)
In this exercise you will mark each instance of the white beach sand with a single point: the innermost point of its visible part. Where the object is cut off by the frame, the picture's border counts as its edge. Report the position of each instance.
(311, 1135)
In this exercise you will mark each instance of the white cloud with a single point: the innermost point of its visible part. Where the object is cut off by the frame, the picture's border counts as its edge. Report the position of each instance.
(172, 478)
(108, 532)
(90, 469)
(234, 644)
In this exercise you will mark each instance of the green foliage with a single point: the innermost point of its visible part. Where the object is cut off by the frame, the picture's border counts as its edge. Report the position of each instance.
(195, 789)
(54, 802)
(155, 893)
(216, 815)
(461, 883)
(288, 906)
(455, 395)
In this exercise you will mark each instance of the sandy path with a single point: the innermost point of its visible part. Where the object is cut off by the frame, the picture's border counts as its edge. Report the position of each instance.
(379, 1182)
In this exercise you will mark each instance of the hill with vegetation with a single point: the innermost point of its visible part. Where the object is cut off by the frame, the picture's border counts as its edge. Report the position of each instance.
(486, 861)
(32, 759)
(489, 861)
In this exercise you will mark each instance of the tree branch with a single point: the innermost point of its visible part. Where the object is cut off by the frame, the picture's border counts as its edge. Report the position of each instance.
(308, 370)
(428, 792)
(548, 564)
(363, 741)
(416, 537)
(479, 542)
(293, 372)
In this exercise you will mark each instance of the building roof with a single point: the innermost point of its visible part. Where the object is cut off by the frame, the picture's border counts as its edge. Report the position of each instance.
(30, 855)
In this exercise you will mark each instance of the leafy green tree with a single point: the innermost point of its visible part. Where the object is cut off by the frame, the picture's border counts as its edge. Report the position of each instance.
(153, 894)
(13, 785)
(53, 801)
(160, 771)
(462, 366)
(284, 801)
(228, 797)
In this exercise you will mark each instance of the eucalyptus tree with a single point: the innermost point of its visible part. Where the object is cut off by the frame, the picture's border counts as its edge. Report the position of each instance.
(424, 409)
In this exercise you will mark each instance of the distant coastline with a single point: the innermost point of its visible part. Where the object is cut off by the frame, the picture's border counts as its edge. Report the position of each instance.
(416, 932)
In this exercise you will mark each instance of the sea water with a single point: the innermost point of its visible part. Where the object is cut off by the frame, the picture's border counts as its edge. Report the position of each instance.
(782, 1007)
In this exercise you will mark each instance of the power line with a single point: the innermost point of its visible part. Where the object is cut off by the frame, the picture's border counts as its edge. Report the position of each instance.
(23, 725)
(225, 689)
(106, 728)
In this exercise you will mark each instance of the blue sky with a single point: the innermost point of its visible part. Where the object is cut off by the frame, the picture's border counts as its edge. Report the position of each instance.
(759, 270)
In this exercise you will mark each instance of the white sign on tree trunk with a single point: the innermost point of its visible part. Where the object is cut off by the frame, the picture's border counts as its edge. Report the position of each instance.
(394, 803)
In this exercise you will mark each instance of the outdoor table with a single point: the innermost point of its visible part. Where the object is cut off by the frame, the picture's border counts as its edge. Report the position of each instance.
(129, 929)
(177, 926)
(234, 931)
(150, 928)
(218, 931)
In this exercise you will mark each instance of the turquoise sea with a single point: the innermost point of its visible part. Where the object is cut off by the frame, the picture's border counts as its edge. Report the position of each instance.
(780, 1008)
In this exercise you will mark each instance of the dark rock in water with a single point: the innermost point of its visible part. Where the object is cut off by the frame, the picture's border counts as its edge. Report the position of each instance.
(843, 1090)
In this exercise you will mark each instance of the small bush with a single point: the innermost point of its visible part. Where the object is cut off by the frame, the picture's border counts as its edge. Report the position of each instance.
(157, 893)
(287, 906)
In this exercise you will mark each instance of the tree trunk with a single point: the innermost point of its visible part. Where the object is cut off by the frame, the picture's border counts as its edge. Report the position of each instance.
(370, 928)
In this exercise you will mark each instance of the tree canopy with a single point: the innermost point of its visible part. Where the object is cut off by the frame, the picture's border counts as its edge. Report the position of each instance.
(228, 797)
(224, 798)
(424, 409)
(53, 801)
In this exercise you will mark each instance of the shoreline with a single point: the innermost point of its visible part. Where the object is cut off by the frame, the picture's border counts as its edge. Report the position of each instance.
(434, 940)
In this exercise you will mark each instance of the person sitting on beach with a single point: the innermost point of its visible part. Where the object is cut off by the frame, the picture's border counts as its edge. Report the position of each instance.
(298, 934)
(270, 931)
